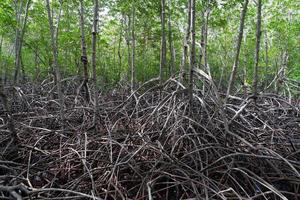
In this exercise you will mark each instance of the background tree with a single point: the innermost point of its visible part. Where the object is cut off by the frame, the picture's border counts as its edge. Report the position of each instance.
(257, 49)
(163, 52)
(193, 48)
(94, 59)
(54, 36)
(20, 31)
(133, 70)
(170, 38)
(238, 48)
(186, 43)
(223, 18)
(84, 57)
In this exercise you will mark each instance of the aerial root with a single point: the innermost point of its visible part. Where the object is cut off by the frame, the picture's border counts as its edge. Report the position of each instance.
(147, 145)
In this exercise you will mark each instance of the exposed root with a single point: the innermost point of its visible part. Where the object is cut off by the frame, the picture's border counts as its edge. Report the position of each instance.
(147, 145)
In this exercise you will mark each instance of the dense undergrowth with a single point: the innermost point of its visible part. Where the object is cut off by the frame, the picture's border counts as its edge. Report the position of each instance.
(151, 145)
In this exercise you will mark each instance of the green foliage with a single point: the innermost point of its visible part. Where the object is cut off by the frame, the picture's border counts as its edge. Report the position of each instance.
(7, 19)
(281, 23)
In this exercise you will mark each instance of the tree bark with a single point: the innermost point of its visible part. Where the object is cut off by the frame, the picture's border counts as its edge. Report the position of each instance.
(282, 71)
(18, 10)
(171, 44)
(244, 76)
(203, 43)
(238, 49)
(1, 64)
(94, 52)
(127, 38)
(84, 58)
(163, 41)
(19, 36)
(266, 53)
(55, 60)
(119, 50)
(205, 31)
(257, 49)
(133, 75)
(202, 38)
(193, 49)
(183, 67)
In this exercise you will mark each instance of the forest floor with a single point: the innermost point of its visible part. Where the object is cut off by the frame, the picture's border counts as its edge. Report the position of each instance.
(151, 144)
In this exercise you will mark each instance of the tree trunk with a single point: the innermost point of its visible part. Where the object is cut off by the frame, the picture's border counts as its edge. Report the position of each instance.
(171, 44)
(133, 76)
(55, 60)
(94, 52)
(202, 39)
(18, 9)
(266, 55)
(257, 49)
(19, 36)
(84, 58)
(203, 43)
(238, 49)
(1, 43)
(119, 50)
(282, 70)
(244, 76)
(183, 67)
(205, 31)
(193, 49)
(127, 38)
(1, 65)
(163, 41)
(23, 75)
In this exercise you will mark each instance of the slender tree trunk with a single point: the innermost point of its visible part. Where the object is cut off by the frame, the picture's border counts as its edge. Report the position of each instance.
(238, 49)
(282, 71)
(284, 63)
(55, 60)
(266, 71)
(18, 9)
(94, 53)
(84, 58)
(184, 60)
(23, 75)
(203, 43)
(202, 46)
(246, 56)
(23, 30)
(171, 44)
(267, 53)
(19, 36)
(133, 75)
(145, 51)
(127, 38)
(202, 39)
(193, 49)
(1, 64)
(119, 50)
(257, 49)
(114, 56)
(163, 41)
(205, 31)
(67, 51)
(57, 22)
